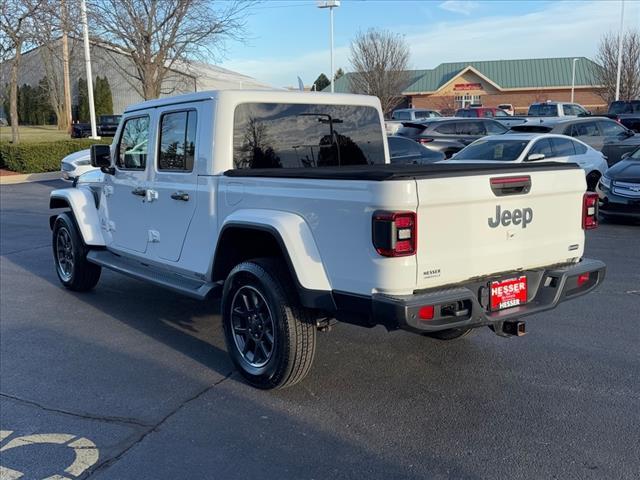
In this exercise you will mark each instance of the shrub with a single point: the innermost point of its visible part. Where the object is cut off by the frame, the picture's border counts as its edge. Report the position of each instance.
(40, 156)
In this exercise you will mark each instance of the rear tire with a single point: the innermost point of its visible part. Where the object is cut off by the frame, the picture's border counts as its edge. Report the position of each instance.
(271, 339)
(449, 334)
(70, 255)
(592, 181)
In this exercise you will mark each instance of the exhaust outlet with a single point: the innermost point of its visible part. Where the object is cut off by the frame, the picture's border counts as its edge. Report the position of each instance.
(514, 328)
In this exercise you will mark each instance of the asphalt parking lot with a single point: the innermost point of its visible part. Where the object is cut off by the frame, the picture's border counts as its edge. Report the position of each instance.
(132, 382)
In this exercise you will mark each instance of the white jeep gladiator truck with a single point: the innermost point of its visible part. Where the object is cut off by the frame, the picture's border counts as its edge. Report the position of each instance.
(285, 205)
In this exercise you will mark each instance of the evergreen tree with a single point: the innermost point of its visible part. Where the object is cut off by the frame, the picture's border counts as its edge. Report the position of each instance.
(102, 97)
(83, 101)
(321, 82)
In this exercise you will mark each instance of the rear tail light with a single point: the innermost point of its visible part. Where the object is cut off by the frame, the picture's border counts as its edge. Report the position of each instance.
(426, 312)
(394, 233)
(589, 211)
(424, 141)
(583, 278)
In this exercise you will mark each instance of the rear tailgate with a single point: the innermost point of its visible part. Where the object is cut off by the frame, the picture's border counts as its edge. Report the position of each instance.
(468, 229)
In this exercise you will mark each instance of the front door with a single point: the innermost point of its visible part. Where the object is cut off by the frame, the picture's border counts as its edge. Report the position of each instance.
(126, 193)
(175, 180)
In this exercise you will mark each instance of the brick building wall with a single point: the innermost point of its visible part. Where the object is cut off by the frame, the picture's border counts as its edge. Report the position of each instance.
(521, 100)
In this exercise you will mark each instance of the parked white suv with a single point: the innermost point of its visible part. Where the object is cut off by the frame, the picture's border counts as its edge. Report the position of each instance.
(284, 204)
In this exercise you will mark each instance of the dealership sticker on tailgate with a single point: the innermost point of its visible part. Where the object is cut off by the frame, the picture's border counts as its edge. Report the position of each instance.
(508, 293)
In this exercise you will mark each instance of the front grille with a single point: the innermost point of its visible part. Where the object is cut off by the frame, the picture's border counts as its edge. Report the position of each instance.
(627, 189)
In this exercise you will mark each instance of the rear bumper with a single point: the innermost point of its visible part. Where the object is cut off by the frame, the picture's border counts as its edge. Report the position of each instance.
(465, 306)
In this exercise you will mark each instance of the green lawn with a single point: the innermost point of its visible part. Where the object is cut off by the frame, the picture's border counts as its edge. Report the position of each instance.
(41, 133)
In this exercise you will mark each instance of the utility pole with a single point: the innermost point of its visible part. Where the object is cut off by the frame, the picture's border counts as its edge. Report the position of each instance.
(620, 37)
(330, 4)
(87, 62)
(65, 66)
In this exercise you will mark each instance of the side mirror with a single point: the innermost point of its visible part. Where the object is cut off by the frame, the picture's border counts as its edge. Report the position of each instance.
(535, 156)
(101, 158)
(625, 156)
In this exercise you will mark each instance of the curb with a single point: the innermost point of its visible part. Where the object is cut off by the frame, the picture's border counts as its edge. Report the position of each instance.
(29, 178)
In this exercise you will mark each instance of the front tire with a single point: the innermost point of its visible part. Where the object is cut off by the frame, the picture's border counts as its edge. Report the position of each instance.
(70, 255)
(271, 339)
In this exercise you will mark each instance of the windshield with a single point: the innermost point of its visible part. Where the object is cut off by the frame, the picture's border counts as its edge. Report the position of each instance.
(493, 150)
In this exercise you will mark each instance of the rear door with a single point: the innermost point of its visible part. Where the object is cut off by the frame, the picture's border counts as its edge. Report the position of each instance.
(174, 179)
(469, 131)
(468, 228)
(588, 132)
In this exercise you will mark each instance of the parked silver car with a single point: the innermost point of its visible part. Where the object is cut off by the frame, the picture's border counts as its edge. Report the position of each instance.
(531, 147)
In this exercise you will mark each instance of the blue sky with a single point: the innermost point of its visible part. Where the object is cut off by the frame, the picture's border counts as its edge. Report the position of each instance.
(291, 37)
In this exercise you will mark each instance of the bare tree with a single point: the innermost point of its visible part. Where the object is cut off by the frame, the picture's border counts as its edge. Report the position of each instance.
(160, 35)
(607, 60)
(51, 29)
(16, 30)
(379, 61)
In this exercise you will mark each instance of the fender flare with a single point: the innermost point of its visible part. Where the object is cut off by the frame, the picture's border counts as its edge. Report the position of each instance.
(295, 238)
(83, 205)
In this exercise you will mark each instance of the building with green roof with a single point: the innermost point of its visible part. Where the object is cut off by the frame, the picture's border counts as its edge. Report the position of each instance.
(495, 82)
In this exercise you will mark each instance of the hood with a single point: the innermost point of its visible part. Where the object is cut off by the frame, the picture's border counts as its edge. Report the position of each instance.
(80, 155)
(625, 171)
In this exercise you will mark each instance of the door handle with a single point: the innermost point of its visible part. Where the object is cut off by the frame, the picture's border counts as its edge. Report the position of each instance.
(180, 196)
(141, 192)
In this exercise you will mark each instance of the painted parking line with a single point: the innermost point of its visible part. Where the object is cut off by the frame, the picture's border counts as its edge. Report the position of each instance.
(86, 452)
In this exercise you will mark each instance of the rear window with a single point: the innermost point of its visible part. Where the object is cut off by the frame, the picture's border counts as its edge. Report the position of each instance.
(493, 150)
(274, 135)
(543, 110)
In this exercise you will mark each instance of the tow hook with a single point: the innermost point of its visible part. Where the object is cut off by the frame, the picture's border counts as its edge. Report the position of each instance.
(509, 328)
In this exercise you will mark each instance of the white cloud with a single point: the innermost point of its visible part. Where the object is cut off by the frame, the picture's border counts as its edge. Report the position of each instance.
(464, 7)
(561, 29)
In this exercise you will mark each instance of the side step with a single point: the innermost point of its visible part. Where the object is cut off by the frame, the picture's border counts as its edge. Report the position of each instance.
(142, 271)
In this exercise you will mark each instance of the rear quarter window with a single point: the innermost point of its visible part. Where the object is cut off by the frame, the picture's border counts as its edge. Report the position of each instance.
(271, 135)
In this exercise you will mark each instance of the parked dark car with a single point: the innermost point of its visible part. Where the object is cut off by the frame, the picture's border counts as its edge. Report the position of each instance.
(604, 134)
(630, 120)
(405, 150)
(624, 106)
(480, 112)
(619, 188)
(106, 126)
(450, 135)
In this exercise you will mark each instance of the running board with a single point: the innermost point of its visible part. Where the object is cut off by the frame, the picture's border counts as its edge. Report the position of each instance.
(162, 278)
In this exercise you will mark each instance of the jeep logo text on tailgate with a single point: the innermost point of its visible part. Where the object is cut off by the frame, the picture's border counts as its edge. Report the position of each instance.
(516, 217)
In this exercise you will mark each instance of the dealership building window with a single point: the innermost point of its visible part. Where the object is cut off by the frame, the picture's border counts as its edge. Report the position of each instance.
(467, 99)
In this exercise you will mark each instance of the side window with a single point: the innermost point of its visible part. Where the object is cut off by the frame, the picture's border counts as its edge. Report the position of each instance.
(578, 110)
(567, 110)
(500, 113)
(542, 146)
(471, 128)
(402, 116)
(494, 128)
(133, 144)
(177, 141)
(579, 148)
(448, 128)
(585, 129)
(488, 113)
(562, 147)
(611, 129)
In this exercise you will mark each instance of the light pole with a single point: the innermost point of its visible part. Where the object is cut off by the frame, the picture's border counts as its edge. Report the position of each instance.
(573, 78)
(87, 61)
(330, 4)
(620, 35)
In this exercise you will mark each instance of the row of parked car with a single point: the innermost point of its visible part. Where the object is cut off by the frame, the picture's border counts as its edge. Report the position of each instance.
(605, 149)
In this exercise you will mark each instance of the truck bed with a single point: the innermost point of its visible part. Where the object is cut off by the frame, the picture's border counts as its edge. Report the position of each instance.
(398, 172)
